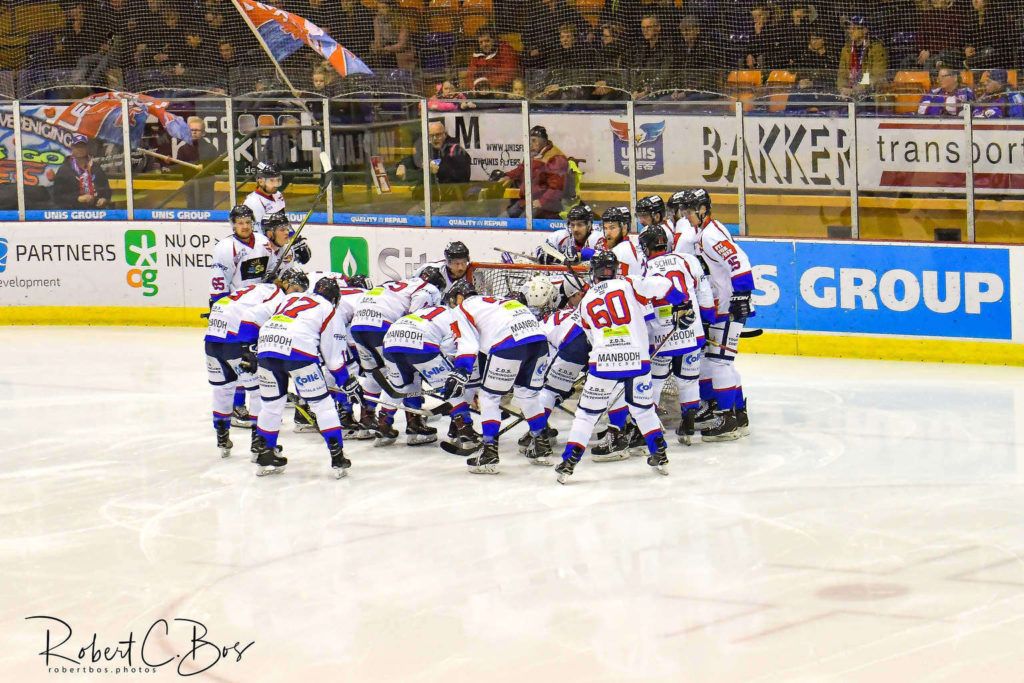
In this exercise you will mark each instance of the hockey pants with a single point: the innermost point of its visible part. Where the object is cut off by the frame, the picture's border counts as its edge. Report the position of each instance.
(520, 369)
(224, 373)
(310, 385)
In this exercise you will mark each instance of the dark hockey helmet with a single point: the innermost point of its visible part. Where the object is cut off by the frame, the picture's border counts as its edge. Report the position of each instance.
(653, 240)
(456, 250)
(459, 288)
(580, 212)
(328, 288)
(604, 266)
(650, 205)
(276, 220)
(433, 276)
(294, 276)
(616, 214)
(241, 211)
(697, 199)
(676, 201)
(265, 169)
(539, 132)
(359, 282)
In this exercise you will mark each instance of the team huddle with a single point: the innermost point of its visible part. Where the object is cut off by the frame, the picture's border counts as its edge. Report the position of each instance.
(666, 305)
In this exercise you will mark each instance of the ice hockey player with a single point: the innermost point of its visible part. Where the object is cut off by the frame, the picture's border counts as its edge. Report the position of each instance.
(514, 353)
(615, 316)
(377, 311)
(732, 282)
(301, 331)
(578, 241)
(244, 258)
(416, 348)
(650, 210)
(266, 199)
(685, 234)
(616, 222)
(231, 334)
(278, 230)
(680, 346)
(453, 266)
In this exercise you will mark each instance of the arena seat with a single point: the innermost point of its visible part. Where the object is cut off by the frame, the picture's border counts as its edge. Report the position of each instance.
(908, 86)
(475, 15)
(441, 16)
(780, 82)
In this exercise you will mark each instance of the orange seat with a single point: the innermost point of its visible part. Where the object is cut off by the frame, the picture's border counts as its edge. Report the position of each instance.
(744, 79)
(441, 15)
(908, 87)
(590, 10)
(780, 82)
(1011, 78)
(475, 15)
(411, 5)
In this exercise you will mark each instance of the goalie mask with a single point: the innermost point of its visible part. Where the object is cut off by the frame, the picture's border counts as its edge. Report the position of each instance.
(540, 294)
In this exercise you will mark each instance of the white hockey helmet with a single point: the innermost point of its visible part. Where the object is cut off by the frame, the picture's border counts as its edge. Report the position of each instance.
(540, 293)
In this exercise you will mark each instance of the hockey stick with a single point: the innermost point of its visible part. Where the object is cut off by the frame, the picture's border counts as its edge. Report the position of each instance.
(560, 258)
(531, 259)
(452, 449)
(325, 162)
(389, 389)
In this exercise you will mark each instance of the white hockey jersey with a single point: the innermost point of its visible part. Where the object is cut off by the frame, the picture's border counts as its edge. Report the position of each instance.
(558, 325)
(675, 267)
(615, 318)
(427, 330)
(263, 205)
(684, 238)
(485, 324)
(563, 241)
(237, 263)
(237, 317)
(442, 266)
(631, 258)
(381, 306)
(303, 328)
(730, 268)
(347, 302)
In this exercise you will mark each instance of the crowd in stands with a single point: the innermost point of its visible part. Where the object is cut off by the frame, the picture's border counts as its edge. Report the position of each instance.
(555, 49)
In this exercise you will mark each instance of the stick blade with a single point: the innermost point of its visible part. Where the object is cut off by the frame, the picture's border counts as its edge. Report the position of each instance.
(325, 161)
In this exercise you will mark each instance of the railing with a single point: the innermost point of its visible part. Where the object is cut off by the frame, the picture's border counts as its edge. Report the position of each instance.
(813, 166)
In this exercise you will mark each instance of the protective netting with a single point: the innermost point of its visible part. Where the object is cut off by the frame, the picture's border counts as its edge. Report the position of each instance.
(544, 49)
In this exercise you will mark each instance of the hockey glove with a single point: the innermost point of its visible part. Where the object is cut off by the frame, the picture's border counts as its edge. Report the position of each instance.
(353, 392)
(455, 385)
(248, 363)
(684, 315)
(739, 306)
(301, 250)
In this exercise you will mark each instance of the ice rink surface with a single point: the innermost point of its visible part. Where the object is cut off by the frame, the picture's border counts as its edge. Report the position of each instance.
(871, 528)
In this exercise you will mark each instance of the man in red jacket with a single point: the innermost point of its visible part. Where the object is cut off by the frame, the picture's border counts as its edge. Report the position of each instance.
(496, 61)
(549, 171)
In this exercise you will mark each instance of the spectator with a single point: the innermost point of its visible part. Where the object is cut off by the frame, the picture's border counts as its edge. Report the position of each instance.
(322, 81)
(993, 101)
(80, 182)
(653, 56)
(569, 60)
(495, 60)
(817, 63)
(78, 39)
(167, 47)
(613, 63)
(518, 89)
(863, 62)
(450, 165)
(940, 34)
(794, 37)
(196, 55)
(695, 56)
(948, 98)
(889, 17)
(764, 41)
(447, 98)
(988, 29)
(539, 42)
(549, 171)
(392, 41)
(357, 35)
(93, 68)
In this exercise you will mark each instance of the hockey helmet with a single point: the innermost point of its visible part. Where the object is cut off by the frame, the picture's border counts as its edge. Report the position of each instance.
(241, 211)
(651, 205)
(294, 276)
(328, 288)
(266, 169)
(580, 212)
(456, 250)
(654, 240)
(276, 220)
(677, 200)
(459, 288)
(433, 276)
(604, 266)
(359, 282)
(698, 201)
(540, 293)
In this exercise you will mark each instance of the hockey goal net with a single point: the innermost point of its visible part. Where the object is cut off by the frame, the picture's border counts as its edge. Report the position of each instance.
(505, 280)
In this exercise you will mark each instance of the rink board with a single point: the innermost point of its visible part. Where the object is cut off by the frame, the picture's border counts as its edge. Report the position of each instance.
(851, 299)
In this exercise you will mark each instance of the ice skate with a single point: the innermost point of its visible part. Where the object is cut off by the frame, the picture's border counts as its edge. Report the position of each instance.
(269, 462)
(705, 416)
(305, 421)
(723, 429)
(526, 439)
(637, 444)
(367, 425)
(687, 429)
(417, 433)
(659, 459)
(240, 417)
(568, 465)
(339, 463)
(224, 440)
(257, 444)
(385, 432)
(742, 421)
(486, 462)
(615, 447)
(349, 425)
(462, 433)
(539, 450)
